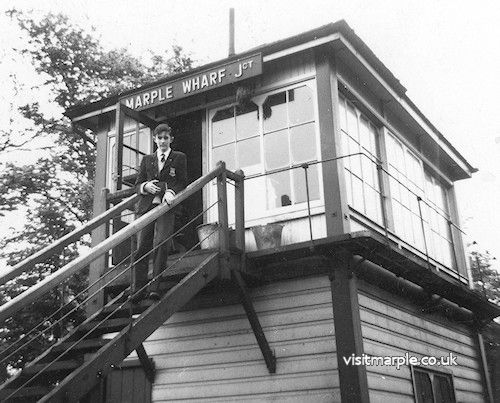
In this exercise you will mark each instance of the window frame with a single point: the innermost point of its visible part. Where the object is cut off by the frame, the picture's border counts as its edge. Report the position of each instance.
(280, 213)
(431, 372)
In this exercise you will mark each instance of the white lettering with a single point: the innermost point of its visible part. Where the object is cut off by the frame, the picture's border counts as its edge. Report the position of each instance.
(130, 103)
(161, 97)
(213, 78)
(186, 86)
(220, 74)
(145, 98)
(154, 95)
(168, 91)
(204, 81)
(196, 83)
(240, 71)
(138, 102)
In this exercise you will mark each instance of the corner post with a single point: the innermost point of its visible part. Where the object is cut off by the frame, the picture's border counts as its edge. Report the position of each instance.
(223, 221)
(348, 335)
(334, 189)
(118, 167)
(239, 200)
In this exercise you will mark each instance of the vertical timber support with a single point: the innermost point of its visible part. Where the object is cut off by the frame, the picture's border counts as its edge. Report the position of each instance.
(456, 236)
(118, 167)
(485, 374)
(223, 221)
(99, 266)
(336, 208)
(239, 200)
(348, 336)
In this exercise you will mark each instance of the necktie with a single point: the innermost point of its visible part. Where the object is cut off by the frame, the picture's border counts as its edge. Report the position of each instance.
(162, 159)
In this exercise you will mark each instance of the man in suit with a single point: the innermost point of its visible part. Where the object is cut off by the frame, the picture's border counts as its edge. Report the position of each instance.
(161, 176)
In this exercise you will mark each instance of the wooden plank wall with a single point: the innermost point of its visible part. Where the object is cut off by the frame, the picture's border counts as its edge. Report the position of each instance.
(128, 385)
(393, 326)
(211, 354)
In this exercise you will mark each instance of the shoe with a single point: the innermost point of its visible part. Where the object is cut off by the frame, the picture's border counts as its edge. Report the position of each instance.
(153, 295)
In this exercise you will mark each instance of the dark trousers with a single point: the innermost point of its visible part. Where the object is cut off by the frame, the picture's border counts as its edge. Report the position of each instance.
(150, 237)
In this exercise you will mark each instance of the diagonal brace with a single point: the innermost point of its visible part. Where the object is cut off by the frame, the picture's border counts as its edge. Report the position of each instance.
(147, 363)
(269, 356)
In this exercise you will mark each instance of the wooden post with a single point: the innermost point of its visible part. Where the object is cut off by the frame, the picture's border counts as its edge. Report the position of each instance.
(348, 336)
(223, 221)
(456, 236)
(336, 208)
(485, 374)
(118, 168)
(239, 201)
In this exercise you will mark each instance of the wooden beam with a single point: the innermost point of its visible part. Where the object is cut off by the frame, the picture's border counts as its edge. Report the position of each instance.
(223, 221)
(239, 208)
(118, 166)
(485, 374)
(348, 336)
(66, 240)
(139, 117)
(334, 189)
(269, 356)
(147, 363)
(79, 263)
(79, 382)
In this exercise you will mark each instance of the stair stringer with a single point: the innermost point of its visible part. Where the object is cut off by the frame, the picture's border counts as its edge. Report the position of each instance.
(80, 382)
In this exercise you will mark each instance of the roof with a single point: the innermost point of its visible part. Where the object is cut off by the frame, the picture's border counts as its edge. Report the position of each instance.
(340, 27)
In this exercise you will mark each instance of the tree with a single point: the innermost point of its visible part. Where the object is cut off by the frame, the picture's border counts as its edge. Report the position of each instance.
(56, 191)
(485, 278)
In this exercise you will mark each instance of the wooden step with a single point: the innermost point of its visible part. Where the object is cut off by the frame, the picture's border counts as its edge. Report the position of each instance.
(96, 328)
(83, 346)
(55, 366)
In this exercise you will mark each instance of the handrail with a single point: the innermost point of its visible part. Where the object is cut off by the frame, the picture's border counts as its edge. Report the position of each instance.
(114, 240)
(67, 239)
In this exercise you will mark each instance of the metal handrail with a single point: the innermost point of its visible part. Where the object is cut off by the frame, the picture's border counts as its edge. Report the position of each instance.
(114, 240)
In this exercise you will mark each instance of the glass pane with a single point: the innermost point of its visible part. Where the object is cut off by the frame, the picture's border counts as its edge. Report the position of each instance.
(223, 126)
(348, 187)
(423, 388)
(364, 133)
(443, 389)
(357, 194)
(224, 153)
(255, 203)
(144, 141)
(303, 143)
(247, 121)
(342, 114)
(345, 150)
(248, 152)
(352, 122)
(279, 192)
(373, 206)
(300, 105)
(276, 150)
(299, 182)
(275, 114)
(355, 159)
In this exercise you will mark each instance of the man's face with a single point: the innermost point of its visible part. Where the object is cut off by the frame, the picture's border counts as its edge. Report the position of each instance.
(163, 140)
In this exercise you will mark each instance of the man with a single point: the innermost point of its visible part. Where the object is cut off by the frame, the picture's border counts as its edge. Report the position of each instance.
(161, 176)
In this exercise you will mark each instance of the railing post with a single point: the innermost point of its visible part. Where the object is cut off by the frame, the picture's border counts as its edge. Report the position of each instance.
(223, 221)
(239, 201)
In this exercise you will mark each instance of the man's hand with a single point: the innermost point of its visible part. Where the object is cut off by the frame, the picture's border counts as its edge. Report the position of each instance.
(168, 197)
(151, 187)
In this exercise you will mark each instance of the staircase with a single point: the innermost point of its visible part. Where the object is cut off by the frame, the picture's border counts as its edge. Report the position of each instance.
(71, 368)
(75, 364)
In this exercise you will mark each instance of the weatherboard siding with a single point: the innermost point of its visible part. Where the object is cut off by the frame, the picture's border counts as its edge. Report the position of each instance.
(392, 326)
(211, 354)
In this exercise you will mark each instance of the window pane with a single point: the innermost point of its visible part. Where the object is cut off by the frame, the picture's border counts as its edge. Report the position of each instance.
(348, 187)
(423, 388)
(364, 133)
(443, 389)
(355, 160)
(275, 114)
(303, 143)
(248, 152)
(352, 122)
(276, 150)
(372, 203)
(255, 201)
(224, 153)
(300, 105)
(357, 194)
(299, 182)
(223, 126)
(342, 114)
(247, 121)
(279, 192)
(144, 141)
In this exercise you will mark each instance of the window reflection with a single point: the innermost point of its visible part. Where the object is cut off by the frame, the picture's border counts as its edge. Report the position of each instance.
(279, 192)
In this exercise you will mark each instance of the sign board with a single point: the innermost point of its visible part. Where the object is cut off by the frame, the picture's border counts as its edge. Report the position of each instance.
(205, 80)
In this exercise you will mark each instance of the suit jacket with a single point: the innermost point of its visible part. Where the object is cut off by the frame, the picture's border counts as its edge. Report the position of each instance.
(173, 176)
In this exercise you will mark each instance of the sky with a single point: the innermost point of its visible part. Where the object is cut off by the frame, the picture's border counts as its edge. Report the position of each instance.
(446, 54)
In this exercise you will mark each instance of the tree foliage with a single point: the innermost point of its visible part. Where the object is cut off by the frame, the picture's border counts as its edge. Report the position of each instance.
(485, 278)
(56, 191)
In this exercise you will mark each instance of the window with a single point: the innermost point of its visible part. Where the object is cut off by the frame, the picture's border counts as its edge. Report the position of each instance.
(409, 180)
(432, 386)
(359, 135)
(264, 138)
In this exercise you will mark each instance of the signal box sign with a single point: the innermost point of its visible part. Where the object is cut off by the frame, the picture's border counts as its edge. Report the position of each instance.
(215, 77)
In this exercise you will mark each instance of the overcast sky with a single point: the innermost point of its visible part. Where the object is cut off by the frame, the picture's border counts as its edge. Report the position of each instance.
(446, 53)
